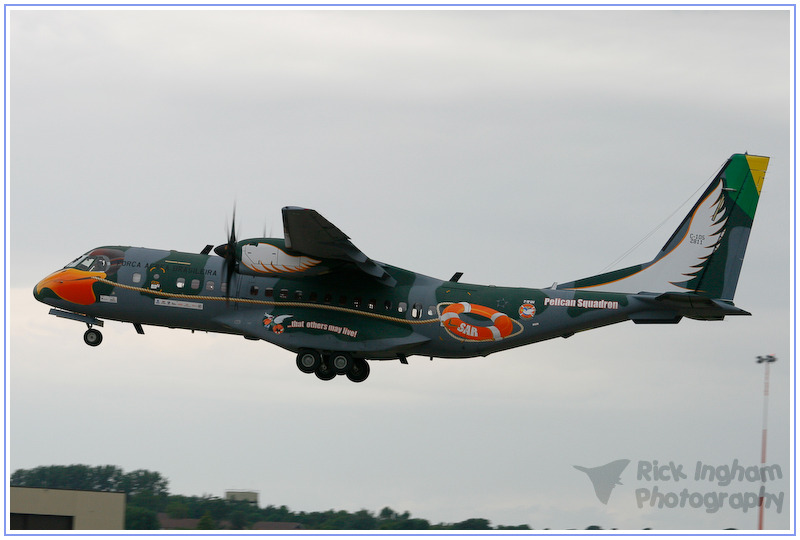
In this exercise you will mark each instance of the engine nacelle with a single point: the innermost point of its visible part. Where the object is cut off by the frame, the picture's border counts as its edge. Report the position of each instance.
(270, 257)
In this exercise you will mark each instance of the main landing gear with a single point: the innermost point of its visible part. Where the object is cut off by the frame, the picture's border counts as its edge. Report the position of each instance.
(328, 366)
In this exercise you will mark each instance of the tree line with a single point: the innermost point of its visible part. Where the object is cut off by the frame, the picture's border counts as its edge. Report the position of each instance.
(148, 495)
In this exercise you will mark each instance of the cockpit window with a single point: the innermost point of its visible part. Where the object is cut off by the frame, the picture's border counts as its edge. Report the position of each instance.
(74, 262)
(91, 263)
(99, 260)
(97, 264)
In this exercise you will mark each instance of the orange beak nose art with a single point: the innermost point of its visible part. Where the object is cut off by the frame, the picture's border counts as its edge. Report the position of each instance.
(71, 285)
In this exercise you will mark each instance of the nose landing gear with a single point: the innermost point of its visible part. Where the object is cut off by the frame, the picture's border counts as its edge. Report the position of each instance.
(92, 337)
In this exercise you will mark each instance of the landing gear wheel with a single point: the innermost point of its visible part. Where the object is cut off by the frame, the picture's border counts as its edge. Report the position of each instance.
(92, 337)
(360, 370)
(341, 363)
(324, 371)
(308, 361)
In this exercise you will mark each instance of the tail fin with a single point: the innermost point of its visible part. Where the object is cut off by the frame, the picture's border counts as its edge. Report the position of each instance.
(704, 255)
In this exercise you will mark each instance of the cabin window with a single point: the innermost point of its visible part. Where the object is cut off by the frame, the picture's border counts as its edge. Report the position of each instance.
(209, 285)
(328, 298)
(313, 297)
(195, 284)
(223, 287)
(387, 305)
(284, 294)
(416, 310)
(181, 283)
(402, 307)
(253, 290)
(137, 277)
(342, 300)
(298, 295)
(356, 302)
(431, 311)
(372, 303)
(268, 292)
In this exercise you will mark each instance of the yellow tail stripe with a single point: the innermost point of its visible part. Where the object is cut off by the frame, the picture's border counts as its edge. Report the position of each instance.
(758, 168)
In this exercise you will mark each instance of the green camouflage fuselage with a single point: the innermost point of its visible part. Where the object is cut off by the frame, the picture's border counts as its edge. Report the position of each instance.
(344, 310)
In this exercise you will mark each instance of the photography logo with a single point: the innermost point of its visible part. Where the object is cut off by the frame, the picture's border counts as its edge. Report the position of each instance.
(605, 477)
(671, 485)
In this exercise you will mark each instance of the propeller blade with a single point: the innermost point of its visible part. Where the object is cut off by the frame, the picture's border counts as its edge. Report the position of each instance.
(228, 252)
(232, 237)
(230, 255)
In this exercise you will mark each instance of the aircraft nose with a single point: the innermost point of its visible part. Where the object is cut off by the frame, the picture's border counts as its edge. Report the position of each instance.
(68, 284)
(48, 287)
(37, 292)
(42, 290)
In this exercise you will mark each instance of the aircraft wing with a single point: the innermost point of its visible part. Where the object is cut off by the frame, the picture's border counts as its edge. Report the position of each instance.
(307, 232)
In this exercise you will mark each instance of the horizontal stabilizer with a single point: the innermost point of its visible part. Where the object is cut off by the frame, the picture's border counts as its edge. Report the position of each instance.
(656, 317)
(690, 305)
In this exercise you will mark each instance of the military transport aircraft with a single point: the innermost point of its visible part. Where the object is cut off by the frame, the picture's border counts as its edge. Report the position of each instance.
(316, 294)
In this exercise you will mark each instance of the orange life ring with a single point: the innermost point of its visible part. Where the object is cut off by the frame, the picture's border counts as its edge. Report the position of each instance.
(501, 327)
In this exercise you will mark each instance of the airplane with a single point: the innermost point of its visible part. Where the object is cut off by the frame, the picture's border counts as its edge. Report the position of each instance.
(605, 477)
(314, 293)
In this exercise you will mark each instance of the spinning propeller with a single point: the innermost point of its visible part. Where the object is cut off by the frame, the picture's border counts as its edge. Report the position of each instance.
(228, 252)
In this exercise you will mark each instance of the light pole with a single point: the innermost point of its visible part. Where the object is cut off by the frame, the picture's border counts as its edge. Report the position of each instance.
(766, 360)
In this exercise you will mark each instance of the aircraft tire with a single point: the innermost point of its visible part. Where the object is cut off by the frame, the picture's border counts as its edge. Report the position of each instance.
(324, 371)
(359, 372)
(92, 337)
(341, 363)
(308, 361)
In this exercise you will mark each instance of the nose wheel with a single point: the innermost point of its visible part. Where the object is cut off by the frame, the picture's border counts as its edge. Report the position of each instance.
(92, 337)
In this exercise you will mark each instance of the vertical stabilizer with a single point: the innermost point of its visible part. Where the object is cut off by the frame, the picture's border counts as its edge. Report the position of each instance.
(705, 253)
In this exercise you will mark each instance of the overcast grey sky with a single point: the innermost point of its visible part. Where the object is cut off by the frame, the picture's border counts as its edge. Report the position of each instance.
(521, 147)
